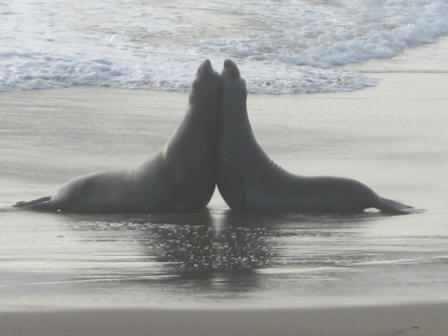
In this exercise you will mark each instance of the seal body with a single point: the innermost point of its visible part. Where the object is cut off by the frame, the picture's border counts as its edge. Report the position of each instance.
(248, 180)
(180, 178)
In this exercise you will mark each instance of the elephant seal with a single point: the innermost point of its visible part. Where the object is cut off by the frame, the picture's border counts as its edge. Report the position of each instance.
(249, 181)
(180, 178)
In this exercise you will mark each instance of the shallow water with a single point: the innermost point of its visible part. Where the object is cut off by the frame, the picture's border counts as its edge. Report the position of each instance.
(219, 256)
(288, 46)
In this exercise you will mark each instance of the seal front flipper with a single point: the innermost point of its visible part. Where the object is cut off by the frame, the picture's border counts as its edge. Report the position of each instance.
(42, 203)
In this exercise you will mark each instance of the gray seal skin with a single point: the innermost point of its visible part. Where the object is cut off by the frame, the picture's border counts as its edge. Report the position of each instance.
(249, 180)
(180, 178)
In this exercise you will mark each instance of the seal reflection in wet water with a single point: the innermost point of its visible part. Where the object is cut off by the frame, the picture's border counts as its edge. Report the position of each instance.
(249, 180)
(180, 178)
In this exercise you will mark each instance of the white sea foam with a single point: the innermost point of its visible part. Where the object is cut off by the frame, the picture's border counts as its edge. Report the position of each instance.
(282, 47)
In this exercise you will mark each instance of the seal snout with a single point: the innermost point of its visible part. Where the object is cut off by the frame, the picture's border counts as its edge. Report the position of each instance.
(205, 67)
(231, 68)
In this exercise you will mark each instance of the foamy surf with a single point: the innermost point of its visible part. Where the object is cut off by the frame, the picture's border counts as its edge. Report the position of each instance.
(282, 47)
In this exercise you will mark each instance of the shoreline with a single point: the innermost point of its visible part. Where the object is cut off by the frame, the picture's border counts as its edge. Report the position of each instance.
(427, 58)
(423, 58)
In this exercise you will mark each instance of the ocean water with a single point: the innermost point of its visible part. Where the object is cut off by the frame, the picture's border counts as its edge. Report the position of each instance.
(219, 257)
(290, 46)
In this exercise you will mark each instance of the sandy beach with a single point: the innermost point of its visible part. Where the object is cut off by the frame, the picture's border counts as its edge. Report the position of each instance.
(390, 320)
(407, 110)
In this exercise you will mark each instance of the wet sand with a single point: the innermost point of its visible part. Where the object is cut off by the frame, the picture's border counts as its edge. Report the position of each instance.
(389, 320)
(405, 115)
(396, 96)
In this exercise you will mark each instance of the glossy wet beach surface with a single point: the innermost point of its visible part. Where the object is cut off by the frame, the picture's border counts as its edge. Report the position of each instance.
(393, 144)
